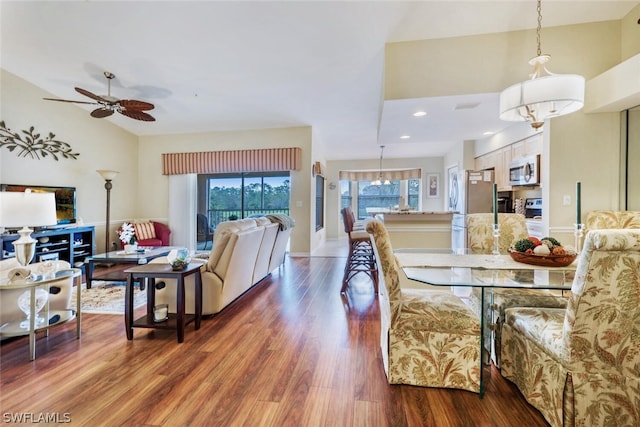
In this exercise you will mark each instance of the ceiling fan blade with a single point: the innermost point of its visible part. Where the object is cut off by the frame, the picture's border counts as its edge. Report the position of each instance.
(100, 113)
(90, 95)
(138, 115)
(132, 104)
(67, 100)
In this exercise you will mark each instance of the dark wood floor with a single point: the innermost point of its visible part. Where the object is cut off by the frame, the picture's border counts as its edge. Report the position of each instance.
(291, 352)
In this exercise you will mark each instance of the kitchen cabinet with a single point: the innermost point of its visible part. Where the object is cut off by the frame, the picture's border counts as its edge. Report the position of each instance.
(527, 147)
(499, 160)
(502, 169)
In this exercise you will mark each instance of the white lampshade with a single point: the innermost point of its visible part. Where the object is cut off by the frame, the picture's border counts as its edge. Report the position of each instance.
(107, 174)
(27, 209)
(546, 97)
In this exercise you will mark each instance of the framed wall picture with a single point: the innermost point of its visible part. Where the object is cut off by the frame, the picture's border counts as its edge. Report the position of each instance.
(433, 185)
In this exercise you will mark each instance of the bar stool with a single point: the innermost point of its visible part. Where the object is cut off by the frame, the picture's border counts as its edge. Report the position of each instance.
(361, 258)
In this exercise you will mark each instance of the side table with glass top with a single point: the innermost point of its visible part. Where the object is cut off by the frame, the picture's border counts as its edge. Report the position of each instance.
(34, 302)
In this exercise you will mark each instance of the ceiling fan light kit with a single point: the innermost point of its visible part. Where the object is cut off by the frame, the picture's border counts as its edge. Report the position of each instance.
(108, 104)
(544, 95)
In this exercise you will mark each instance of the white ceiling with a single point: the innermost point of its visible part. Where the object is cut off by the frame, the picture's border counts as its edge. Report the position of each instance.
(210, 65)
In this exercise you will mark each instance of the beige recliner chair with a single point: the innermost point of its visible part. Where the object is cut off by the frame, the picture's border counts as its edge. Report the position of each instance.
(579, 366)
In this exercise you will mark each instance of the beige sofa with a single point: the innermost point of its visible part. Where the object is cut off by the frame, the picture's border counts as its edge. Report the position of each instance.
(244, 252)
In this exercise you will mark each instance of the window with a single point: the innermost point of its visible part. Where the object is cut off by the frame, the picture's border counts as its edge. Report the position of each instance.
(240, 195)
(371, 197)
(319, 202)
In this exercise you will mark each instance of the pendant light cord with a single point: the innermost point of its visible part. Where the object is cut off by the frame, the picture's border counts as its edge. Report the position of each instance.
(539, 9)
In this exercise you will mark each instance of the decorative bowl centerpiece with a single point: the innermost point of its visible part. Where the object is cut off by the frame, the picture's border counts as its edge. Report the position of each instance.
(546, 252)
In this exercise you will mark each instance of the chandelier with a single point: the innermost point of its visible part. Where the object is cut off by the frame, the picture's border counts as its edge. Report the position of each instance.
(544, 95)
(380, 181)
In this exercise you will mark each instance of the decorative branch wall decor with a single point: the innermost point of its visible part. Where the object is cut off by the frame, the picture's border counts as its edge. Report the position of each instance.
(29, 143)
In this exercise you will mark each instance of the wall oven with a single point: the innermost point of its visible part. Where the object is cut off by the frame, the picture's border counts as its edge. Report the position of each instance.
(525, 171)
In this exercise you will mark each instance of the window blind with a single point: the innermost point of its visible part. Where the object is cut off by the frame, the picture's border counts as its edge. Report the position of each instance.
(258, 160)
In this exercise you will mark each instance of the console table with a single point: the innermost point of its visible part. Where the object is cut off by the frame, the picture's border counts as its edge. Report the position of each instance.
(52, 317)
(151, 272)
(72, 244)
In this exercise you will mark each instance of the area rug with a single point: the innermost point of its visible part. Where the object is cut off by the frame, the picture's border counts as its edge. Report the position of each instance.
(107, 297)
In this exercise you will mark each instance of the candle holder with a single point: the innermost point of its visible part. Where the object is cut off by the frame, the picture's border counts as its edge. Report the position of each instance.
(578, 233)
(496, 239)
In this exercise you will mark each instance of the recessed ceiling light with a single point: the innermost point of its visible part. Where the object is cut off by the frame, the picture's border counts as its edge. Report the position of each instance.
(405, 136)
(420, 113)
(487, 133)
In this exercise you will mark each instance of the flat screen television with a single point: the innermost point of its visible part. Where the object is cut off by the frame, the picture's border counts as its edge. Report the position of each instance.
(65, 199)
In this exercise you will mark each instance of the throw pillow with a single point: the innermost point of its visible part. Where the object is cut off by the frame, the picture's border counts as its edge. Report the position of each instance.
(144, 231)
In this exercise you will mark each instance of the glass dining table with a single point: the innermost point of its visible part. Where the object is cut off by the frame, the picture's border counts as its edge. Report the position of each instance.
(461, 269)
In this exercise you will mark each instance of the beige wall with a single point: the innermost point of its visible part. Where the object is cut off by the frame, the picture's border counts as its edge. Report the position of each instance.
(332, 211)
(630, 31)
(578, 145)
(491, 62)
(140, 190)
(153, 187)
(101, 145)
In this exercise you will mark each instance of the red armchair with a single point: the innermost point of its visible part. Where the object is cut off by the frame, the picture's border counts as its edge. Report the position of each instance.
(162, 236)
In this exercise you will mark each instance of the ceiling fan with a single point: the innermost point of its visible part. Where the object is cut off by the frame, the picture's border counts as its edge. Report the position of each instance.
(108, 104)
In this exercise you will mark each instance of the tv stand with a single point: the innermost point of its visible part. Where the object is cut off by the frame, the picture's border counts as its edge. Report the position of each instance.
(72, 244)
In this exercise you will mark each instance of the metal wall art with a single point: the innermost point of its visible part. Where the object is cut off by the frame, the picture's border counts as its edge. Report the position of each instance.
(29, 143)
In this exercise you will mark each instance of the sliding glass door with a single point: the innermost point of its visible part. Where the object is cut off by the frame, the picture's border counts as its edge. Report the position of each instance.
(235, 196)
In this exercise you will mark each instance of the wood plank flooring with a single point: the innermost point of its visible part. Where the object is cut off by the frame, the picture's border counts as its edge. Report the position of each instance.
(291, 352)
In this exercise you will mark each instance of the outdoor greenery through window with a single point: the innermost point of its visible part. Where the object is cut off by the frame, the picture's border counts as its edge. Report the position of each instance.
(241, 195)
(379, 197)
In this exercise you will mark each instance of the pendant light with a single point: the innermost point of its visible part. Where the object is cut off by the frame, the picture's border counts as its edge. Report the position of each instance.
(545, 94)
(379, 180)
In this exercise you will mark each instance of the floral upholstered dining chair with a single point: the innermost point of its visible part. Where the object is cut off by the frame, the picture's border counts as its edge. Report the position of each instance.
(513, 227)
(428, 338)
(606, 219)
(580, 366)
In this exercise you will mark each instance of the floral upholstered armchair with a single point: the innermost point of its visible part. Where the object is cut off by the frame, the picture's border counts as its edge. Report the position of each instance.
(513, 227)
(581, 365)
(428, 338)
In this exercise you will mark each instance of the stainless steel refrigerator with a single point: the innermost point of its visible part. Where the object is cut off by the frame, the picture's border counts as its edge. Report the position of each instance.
(469, 192)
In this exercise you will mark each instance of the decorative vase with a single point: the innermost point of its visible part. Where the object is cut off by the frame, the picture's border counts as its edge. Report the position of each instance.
(24, 304)
(131, 248)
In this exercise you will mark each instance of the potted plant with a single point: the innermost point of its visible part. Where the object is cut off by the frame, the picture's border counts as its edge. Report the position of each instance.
(127, 236)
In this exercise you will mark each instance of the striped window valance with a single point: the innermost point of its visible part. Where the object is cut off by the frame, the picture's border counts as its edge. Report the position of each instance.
(390, 174)
(259, 160)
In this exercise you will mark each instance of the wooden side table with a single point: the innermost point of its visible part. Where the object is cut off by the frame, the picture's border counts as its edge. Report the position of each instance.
(151, 272)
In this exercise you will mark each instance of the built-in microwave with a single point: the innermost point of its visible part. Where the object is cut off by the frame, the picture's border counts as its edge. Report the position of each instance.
(525, 171)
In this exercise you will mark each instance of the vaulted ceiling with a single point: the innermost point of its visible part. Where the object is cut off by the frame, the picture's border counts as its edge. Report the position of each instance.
(212, 65)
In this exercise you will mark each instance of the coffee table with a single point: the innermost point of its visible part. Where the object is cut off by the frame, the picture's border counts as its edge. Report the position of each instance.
(143, 256)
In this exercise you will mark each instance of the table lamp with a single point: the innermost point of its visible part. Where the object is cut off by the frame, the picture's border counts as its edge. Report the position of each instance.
(25, 210)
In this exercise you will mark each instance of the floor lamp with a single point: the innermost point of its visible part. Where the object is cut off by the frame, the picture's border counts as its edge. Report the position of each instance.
(108, 177)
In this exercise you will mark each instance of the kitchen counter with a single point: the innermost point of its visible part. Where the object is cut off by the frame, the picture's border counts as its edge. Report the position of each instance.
(418, 229)
(417, 216)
